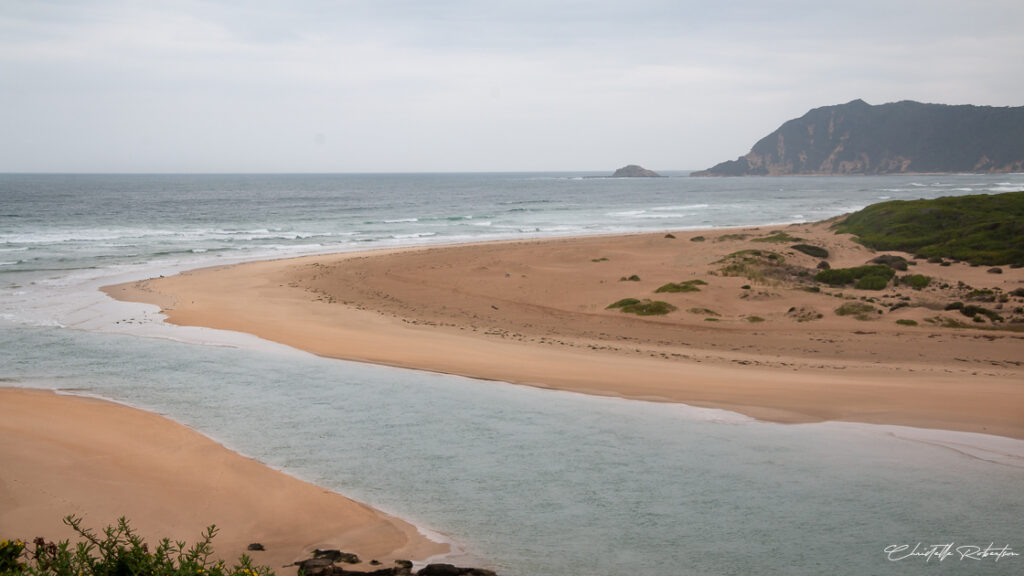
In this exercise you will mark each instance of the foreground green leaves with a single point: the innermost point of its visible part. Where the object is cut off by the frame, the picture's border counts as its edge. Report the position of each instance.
(118, 552)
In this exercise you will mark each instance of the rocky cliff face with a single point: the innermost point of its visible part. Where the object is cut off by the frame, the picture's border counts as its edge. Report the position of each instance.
(901, 137)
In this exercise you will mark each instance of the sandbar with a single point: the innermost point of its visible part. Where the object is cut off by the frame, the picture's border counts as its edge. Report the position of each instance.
(765, 341)
(99, 460)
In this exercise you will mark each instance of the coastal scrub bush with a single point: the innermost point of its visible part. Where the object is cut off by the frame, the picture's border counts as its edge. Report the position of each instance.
(972, 311)
(892, 261)
(703, 311)
(810, 250)
(871, 283)
(859, 310)
(623, 303)
(984, 229)
(778, 237)
(844, 276)
(119, 552)
(906, 322)
(757, 265)
(915, 281)
(643, 307)
(633, 278)
(687, 286)
(727, 237)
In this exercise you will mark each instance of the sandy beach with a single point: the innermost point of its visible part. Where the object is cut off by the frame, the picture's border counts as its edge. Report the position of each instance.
(757, 336)
(100, 460)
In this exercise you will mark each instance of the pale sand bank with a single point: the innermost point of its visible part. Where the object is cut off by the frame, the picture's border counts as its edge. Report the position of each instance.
(534, 312)
(66, 455)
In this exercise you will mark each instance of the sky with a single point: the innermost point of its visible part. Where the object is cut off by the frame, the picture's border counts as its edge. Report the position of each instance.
(468, 85)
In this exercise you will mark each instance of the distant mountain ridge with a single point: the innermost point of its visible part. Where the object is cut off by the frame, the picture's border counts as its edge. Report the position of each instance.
(894, 138)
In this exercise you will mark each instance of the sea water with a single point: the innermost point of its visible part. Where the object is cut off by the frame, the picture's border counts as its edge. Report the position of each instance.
(526, 481)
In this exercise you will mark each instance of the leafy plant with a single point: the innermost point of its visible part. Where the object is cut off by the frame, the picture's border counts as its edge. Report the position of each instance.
(119, 552)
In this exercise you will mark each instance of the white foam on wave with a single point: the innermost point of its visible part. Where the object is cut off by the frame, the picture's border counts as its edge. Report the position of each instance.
(682, 207)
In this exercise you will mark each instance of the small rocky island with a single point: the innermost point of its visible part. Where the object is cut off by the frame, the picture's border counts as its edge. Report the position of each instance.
(634, 171)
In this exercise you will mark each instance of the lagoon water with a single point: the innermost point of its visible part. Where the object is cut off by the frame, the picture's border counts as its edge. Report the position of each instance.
(527, 481)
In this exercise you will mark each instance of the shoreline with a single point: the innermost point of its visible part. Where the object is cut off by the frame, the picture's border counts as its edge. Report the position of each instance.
(533, 312)
(98, 459)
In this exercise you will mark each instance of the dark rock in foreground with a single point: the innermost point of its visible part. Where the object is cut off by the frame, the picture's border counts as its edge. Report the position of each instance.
(895, 138)
(322, 564)
(634, 171)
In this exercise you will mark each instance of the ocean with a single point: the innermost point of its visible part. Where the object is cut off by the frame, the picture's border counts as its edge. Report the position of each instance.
(525, 481)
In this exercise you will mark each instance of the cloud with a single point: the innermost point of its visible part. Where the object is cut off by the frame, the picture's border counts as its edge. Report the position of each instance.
(464, 85)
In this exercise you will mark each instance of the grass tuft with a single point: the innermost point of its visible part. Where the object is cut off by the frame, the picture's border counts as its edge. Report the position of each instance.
(643, 307)
(687, 286)
(778, 237)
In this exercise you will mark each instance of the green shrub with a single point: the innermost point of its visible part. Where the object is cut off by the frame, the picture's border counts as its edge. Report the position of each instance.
(816, 251)
(754, 319)
(982, 295)
(844, 276)
(778, 237)
(697, 239)
(972, 311)
(906, 322)
(688, 286)
(623, 303)
(894, 262)
(871, 283)
(916, 281)
(119, 552)
(643, 307)
(981, 229)
(727, 237)
(858, 310)
(703, 311)
(633, 278)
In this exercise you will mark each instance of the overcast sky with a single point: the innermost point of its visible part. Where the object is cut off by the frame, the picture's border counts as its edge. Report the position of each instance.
(464, 85)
